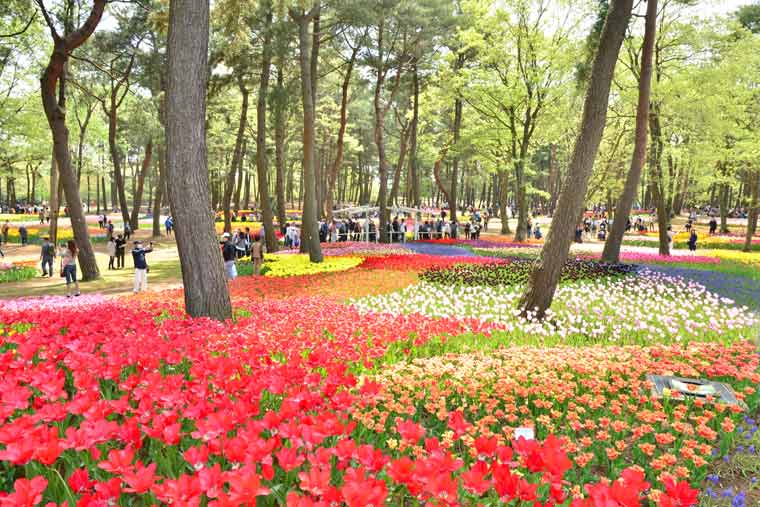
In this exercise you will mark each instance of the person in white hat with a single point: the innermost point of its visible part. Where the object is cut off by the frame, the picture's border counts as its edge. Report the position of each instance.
(229, 255)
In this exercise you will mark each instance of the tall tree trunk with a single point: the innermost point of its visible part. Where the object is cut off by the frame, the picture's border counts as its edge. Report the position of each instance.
(521, 231)
(611, 251)
(309, 227)
(116, 159)
(159, 191)
(414, 180)
(724, 200)
(754, 183)
(402, 149)
(546, 273)
(80, 142)
(335, 167)
(262, 167)
(137, 197)
(280, 106)
(240, 181)
(656, 180)
(455, 163)
(379, 130)
(55, 111)
(503, 189)
(237, 156)
(205, 286)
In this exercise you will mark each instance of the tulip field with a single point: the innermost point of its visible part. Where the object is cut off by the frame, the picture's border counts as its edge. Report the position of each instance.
(385, 376)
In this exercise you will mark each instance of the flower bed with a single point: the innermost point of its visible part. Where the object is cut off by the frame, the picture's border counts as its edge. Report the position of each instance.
(16, 271)
(364, 249)
(634, 309)
(299, 264)
(420, 262)
(643, 258)
(517, 271)
(600, 409)
(303, 401)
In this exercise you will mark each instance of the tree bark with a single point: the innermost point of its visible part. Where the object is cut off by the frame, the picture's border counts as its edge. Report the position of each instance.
(546, 273)
(261, 131)
(237, 156)
(55, 111)
(611, 251)
(161, 170)
(455, 163)
(402, 149)
(309, 226)
(54, 203)
(280, 106)
(754, 182)
(203, 275)
(83, 124)
(724, 200)
(335, 167)
(414, 180)
(503, 189)
(137, 197)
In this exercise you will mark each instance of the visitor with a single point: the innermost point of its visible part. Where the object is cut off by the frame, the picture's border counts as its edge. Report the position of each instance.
(6, 230)
(109, 229)
(257, 255)
(69, 267)
(713, 225)
(537, 232)
(475, 231)
(169, 225)
(670, 234)
(529, 226)
(688, 225)
(42, 215)
(248, 238)
(446, 230)
(23, 235)
(454, 229)
(229, 255)
(402, 230)
(333, 232)
(47, 254)
(240, 242)
(579, 233)
(121, 250)
(467, 230)
(693, 241)
(127, 230)
(141, 265)
(111, 250)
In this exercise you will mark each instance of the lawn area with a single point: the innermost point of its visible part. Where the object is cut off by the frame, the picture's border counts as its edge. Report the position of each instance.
(384, 376)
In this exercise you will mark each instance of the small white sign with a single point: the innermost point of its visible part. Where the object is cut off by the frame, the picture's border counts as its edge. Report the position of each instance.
(526, 433)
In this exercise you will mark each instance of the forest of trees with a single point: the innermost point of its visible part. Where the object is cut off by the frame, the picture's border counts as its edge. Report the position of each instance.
(439, 103)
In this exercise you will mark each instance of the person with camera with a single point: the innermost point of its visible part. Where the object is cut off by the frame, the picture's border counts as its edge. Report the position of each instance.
(141, 265)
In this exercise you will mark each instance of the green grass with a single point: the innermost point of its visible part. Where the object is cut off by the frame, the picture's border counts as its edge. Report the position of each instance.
(162, 272)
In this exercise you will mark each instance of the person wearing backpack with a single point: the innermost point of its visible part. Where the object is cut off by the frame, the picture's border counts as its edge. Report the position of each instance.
(47, 254)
